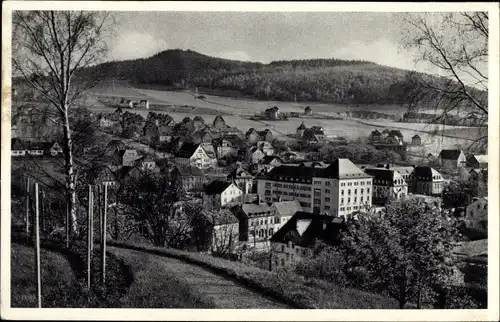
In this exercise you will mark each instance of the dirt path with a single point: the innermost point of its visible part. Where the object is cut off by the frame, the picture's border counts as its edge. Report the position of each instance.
(221, 291)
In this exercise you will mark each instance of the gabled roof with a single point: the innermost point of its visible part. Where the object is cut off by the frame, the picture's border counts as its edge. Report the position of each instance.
(264, 132)
(18, 144)
(187, 150)
(270, 158)
(239, 173)
(146, 158)
(287, 207)
(217, 187)
(292, 173)
(343, 169)
(376, 132)
(198, 118)
(250, 131)
(481, 158)
(218, 118)
(220, 217)
(165, 130)
(396, 133)
(450, 154)
(308, 108)
(416, 136)
(302, 126)
(425, 172)
(404, 170)
(304, 229)
(383, 174)
(253, 208)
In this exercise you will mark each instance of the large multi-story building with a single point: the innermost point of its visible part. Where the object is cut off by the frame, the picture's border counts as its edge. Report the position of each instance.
(387, 184)
(194, 155)
(426, 181)
(338, 189)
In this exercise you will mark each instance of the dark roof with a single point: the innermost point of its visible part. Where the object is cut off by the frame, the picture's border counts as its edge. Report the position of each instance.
(342, 169)
(396, 133)
(216, 187)
(147, 158)
(302, 126)
(218, 118)
(425, 173)
(451, 154)
(292, 173)
(382, 174)
(385, 131)
(308, 108)
(376, 132)
(198, 118)
(238, 173)
(187, 150)
(190, 171)
(269, 158)
(17, 144)
(416, 136)
(305, 228)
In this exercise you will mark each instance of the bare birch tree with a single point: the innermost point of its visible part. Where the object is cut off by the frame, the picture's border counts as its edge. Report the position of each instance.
(455, 47)
(50, 51)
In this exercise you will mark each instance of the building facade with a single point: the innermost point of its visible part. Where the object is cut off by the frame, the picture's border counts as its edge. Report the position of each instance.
(388, 184)
(426, 181)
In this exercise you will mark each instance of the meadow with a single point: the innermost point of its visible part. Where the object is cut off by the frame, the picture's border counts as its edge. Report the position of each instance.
(236, 112)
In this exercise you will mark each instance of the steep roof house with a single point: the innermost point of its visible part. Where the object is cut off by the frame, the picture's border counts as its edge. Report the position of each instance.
(222, 193)
(452, 158)
(300, 130)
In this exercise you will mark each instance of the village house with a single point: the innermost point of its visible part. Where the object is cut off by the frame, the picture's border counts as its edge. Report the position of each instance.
(224, 231)
(219, 123)
(267, 163)
(192, 154)
(426, 181)
(452, 158)
(252, 136)
(404, 171)
(192, 178)
(301, 129)
(150, 130)
(476, 161)
(144, 104)
(338, 189)
(199, 123)
(388, 184)
(220, 194)
(227, 146)
(100, 175)
(254, 155)
(146, 162)
(478, 174)
(290, 156)
(18, 147)
(242, 178)
(296, 238)
(106, 121)
(272, 113)
(266, 135)
(126, 103)
(283, 211)
(266, 147)
(126, 157)
(416, 140)
(308, 111)
(256, 224)
(477, 214)
(375, 136)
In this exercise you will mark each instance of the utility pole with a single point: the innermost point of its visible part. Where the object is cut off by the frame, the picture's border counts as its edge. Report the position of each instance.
(103, 236)
(37, 249)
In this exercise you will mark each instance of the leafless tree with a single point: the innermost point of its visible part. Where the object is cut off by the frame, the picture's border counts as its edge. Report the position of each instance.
(455, 47)
(50, 51)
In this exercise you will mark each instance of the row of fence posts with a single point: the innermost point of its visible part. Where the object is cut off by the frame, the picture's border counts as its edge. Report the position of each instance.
(102, 211)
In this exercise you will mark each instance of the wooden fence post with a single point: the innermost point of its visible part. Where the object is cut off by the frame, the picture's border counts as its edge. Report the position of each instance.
(89, 236)
(103, 235)
(28, 207)
(37, 249)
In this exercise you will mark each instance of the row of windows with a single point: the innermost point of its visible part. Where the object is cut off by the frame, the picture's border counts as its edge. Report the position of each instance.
(296, 194)
(355, 200)
(387, 182)
(355, 191)
(349, 208)
(262, 233)
(362, 183)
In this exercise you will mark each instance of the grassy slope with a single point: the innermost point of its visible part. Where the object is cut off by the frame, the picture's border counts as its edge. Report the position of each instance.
(56, 274)
(155, 287)
(289, 288)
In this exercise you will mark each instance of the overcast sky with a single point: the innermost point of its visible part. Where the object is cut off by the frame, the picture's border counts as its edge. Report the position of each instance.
(263, 36)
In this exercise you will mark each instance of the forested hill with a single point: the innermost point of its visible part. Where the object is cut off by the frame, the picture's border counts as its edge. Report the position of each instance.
(319, 80)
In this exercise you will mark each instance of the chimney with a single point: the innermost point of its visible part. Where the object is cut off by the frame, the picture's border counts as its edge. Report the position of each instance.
(388, 166)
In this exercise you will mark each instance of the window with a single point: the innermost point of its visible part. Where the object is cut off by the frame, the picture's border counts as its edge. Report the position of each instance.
(355, 199)
(367, 190)
(355, 191)
(327, 199)
(267, 192)
(282, 262)
(341, 201)
(271, 231)
(282, 248)
(349, 200)
(327, 183)
(342, 192)
(327, 207)
(362, 190)
(327, 190)
(348, 191)
(265, 222)
(297, 250)
(361, 199)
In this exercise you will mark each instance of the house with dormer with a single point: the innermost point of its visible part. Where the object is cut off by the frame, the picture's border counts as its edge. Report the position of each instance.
(192, 154)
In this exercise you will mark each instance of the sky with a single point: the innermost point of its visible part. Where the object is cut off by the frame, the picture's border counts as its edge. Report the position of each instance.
(263, 36)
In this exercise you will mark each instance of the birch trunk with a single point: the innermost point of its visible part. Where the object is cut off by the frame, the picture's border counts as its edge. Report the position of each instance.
(70, 173)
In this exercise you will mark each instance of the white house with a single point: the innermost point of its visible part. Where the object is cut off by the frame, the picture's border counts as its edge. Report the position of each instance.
(477, 214)
(191, 154)
(283, 211)
(221, 194)
(387, 184)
